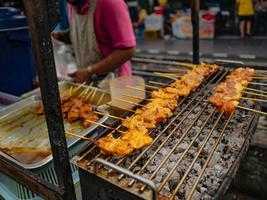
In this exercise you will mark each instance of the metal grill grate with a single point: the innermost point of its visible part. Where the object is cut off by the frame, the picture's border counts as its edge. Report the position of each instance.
(179, 155)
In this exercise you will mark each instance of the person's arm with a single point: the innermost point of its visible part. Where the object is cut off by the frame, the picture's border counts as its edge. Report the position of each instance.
(118, 25)
(237, 7)
(115, 59)
(141, 19)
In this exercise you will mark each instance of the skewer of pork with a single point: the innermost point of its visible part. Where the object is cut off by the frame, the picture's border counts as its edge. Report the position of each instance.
(228, 93)
(157, 110)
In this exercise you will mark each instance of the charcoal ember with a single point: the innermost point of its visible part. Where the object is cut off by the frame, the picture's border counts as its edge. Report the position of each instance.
(196, 129)
(214, 159)
(191, 116)
(163, 151)
(191, 153)
(175, 157)
(151, 168)
(158, 179)
(203, 154)
(170, 166)
(136, 169)
(197, 109)
(196, 195)
(145, 175)
(206, 182)
(209, 144)
(182, 147)
(174, 181)
(156, 161)
(195, 143)
(199, 123)
(226, 156)
(165, 190)
(181, 169)
(202, 190)
(218, 169)
(162, 172)
(197, 167)
(181, 195)
(206, 197)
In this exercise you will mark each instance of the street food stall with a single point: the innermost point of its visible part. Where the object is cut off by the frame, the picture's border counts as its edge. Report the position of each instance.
(179, 133)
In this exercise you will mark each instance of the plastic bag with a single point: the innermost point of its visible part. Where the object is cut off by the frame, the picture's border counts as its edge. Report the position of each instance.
(104, 84)
(64, 59)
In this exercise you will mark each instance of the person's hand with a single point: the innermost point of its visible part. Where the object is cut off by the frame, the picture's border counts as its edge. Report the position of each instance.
(80, 75)
(35, 82)
(55, 34)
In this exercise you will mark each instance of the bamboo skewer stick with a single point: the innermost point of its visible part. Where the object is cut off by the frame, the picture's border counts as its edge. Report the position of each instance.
(70, 90)
(177, 70)
(83, 93)
(77, 88)
(129, 102)
(82, 137)
(88, 94)
(175, 74)
(91, 97)
(252, 99)
(100, 99)
(158, 83)
(260, 77)
(166, 76)
(252, 110)
(136, 97)
(211, 153)
(91, 149)
(256, 94)
(152, 87)
(255, 83)
(260, 70)
(129, 110)
(136, 88)
(188, 65)
(105, 126)
(108, 115)
(255, 90)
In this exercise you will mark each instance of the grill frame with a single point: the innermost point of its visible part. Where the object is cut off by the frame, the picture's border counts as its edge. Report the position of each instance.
(109, 187)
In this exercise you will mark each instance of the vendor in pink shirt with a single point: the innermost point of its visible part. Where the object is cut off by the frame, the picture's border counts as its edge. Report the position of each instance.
(102, 36)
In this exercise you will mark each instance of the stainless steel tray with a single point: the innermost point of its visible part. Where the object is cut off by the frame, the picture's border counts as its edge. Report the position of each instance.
(65, 85)
(7, 99)
(22, 128)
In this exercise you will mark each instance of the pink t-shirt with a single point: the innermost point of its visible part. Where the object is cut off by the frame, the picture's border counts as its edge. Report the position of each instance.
(113, 27)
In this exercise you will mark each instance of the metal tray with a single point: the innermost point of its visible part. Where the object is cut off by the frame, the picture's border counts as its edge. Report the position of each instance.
(21, 127)
(7, 99)
(65, 85)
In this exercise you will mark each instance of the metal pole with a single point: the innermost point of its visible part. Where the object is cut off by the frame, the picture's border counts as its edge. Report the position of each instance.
(195, 24)
(43, 16)
(30, 180)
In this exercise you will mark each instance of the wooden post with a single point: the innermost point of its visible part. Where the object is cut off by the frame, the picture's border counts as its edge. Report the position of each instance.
(43, 16)
(30, 180)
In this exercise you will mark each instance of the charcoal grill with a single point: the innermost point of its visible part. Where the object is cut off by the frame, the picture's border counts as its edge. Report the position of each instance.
(193, 155)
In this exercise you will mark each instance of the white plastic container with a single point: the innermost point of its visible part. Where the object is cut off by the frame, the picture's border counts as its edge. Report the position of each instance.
(119, 88)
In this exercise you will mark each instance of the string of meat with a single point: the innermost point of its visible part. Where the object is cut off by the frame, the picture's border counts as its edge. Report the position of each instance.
(74, 109)
(160, 108)
(228, 93)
